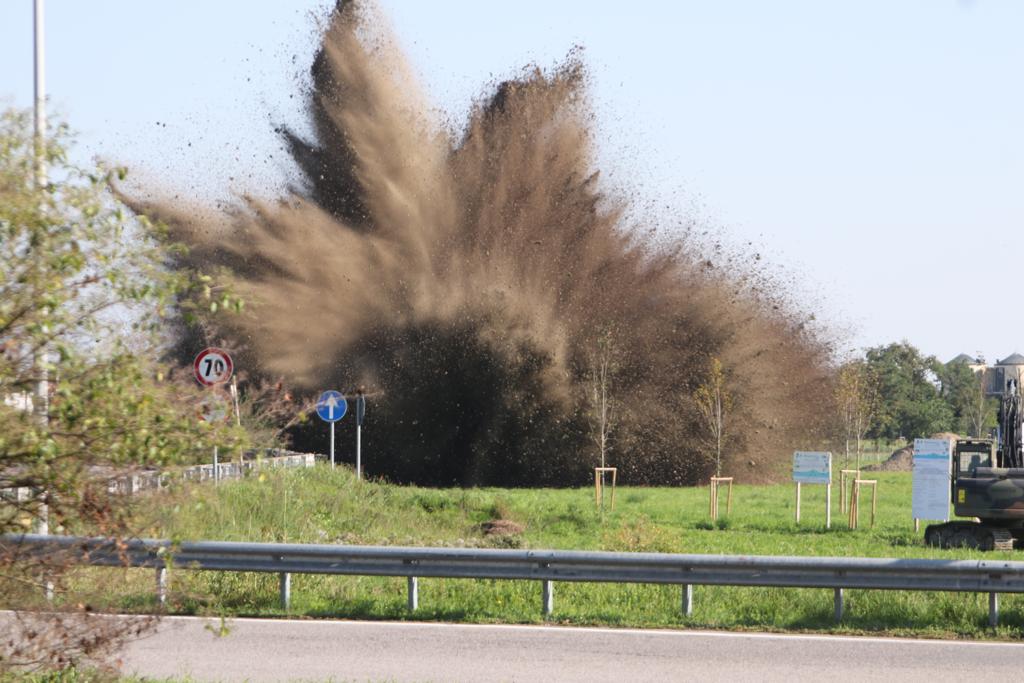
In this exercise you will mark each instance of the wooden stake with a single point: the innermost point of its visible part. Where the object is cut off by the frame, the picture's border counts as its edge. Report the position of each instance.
(798, 502)
(854, 499)
(714, 490)
(843, 476)
(599, 489)
(874, 501)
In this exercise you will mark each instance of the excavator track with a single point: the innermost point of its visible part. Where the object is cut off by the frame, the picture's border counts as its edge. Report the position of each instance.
(968, 535)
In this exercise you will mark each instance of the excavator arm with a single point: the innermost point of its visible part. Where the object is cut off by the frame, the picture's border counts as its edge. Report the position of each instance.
(1011, 446)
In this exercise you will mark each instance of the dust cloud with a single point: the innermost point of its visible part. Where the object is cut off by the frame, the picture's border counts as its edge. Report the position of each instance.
(473, 278)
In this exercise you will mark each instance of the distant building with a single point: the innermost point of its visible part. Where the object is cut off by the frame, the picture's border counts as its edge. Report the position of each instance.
(1011, 367)
(996, 376)
(975, 364)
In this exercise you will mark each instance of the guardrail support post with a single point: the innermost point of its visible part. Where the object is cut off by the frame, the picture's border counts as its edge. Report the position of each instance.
(414, 593)
(161, 586)
(548, 596)
(838, 603)
(286, 590)
(993, 609)
(687, 599)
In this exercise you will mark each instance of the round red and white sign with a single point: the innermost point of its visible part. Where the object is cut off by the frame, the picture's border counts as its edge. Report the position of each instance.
(212, 366)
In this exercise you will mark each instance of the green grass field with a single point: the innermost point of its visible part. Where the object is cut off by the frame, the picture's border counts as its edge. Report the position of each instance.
(324, 506)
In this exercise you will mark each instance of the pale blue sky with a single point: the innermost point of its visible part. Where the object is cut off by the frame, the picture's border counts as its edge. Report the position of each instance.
(871, 149)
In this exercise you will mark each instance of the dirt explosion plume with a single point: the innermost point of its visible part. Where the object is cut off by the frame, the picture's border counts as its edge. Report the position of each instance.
(477, 282)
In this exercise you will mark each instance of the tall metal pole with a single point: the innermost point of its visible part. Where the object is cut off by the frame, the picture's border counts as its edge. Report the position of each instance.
(42, 388)
(234, 397)
(360, 415)
(332, 445)
(40, 92)
(41, 397)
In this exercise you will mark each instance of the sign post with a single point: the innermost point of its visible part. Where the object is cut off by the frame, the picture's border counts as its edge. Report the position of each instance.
(234, 397)
(331, 407)
(811, 467)
(214, 408)
(933, 469)
(360, 416)
(211, 367)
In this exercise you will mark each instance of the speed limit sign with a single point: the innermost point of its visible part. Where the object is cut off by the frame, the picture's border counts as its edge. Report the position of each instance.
(212, 366)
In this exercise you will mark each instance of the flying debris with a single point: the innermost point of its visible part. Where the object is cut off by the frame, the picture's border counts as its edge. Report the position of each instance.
(477, 278)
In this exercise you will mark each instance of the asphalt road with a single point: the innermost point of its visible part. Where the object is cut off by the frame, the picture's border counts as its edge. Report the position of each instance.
(276, 650)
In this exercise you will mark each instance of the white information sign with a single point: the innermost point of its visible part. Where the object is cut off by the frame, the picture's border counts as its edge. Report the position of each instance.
(933, 471)
(812, 467)
(213, 408)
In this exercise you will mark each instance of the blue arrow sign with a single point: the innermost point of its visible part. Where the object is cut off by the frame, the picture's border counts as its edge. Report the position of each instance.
(331, 406)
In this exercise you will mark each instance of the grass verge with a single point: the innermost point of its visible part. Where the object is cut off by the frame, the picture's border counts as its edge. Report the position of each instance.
(324, 506)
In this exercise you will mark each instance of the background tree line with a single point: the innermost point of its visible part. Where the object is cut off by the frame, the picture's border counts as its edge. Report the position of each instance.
(895, 391)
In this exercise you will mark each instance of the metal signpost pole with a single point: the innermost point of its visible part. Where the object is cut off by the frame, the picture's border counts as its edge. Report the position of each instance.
(332, 445)
(360, 415)
(211, 367)
(234, 397)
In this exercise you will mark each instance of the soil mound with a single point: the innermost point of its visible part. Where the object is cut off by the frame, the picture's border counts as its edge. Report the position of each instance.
(902, 459)
(501, 527)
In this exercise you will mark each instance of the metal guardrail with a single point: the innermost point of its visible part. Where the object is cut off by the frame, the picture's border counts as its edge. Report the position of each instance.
(547, 566)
